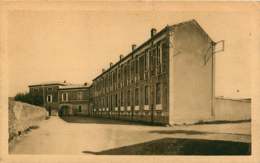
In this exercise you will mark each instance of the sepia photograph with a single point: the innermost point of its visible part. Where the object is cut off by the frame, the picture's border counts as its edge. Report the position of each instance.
(129, 79)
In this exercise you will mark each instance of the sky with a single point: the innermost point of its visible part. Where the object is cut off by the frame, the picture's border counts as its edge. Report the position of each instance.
(76, 45)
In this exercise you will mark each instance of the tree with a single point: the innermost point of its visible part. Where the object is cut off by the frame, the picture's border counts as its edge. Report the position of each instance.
(29, 98)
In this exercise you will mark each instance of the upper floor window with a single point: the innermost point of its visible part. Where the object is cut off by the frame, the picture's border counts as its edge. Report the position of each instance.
(49, 89)
(64, 97)
(158, 93)
(136, 66)
(141, 67)
(128, 98)
(146, 94)
(80, 95)
(116, 102)
(49, 98)
(136, 96)
(35, 89)
(158, 54)
(122, 99)
(164, 57)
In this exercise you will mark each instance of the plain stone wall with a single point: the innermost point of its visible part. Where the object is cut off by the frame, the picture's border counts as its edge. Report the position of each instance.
(232, 109)
(23, 116)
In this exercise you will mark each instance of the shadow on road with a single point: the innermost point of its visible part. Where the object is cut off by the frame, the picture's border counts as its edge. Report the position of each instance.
(85, 119)
(192, 132)
(176, 146)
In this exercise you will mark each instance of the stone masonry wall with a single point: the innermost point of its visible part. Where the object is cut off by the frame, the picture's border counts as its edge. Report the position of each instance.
(22, 116)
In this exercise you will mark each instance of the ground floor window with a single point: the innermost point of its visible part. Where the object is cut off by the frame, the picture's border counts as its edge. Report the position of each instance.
(128, 98)
(136, 96)
(79, 108)
(146, 94)
(122, 98)
(158, 93)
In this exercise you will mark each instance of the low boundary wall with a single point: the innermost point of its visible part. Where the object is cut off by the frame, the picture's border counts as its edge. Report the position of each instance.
(22, 116)
(232, 109)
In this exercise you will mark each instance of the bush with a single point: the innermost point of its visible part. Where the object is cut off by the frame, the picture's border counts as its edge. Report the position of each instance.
(29, 98)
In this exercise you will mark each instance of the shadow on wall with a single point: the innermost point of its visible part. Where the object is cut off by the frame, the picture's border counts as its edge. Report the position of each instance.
(175, 146)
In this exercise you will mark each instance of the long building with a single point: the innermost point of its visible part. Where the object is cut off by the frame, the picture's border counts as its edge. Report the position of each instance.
(168, 79)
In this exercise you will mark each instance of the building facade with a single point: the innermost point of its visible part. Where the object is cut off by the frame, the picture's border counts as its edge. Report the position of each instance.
(49, 92)
(74, 100)
(168, 79)
(63, 98)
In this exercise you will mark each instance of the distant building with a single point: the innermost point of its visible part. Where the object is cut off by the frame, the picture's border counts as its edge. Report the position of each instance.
(74, 100)
(49, 92)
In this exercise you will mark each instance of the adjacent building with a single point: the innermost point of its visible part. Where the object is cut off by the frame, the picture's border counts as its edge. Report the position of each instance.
(63, 98)
(74, 100)
(49, 93)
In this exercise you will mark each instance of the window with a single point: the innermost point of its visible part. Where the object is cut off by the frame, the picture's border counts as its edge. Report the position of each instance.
(36, 89)
(116, 100)
(49, 98)
(132, 70)
(125, 75)
(79, 108)
(136, 66)
(136, 96)
(122, 98)
(64, 97)
(111, 101)
(158, 54)
(49, 89)
(146, 94)
(158, 93)
(152, 61)
(164, 57)
(128, 98)
(80, 95)
(141, 67)
(107, 103)
(145, 61)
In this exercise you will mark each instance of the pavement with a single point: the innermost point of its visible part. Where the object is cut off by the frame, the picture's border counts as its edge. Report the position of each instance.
(84, 135)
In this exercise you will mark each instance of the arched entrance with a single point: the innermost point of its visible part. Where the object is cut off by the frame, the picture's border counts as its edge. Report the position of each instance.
(64, 110)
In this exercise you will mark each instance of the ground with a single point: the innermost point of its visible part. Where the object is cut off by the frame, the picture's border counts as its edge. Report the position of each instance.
(84, 135)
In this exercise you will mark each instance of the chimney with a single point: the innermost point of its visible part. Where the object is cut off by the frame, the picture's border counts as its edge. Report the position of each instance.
(64, 81)
(153, 32)
(121, 57)
(133, 47)
(85, 83)
(103, 70)
(111, 64)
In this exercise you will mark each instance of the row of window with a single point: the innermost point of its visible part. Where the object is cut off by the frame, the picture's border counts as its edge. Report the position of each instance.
(49, 89)
(139, 68)
(124, 98)
(65, 96)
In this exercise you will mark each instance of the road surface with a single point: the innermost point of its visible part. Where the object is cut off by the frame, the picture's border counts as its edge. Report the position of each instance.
(83, 135)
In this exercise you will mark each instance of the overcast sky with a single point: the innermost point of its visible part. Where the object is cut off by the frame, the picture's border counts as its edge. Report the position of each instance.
(76, 45)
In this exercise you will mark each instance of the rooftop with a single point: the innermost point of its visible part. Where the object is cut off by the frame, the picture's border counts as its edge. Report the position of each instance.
(49, 83)
(157, 34)
(74, 86)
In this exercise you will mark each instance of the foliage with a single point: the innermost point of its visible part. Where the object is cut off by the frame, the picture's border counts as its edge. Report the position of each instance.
(29, 98)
